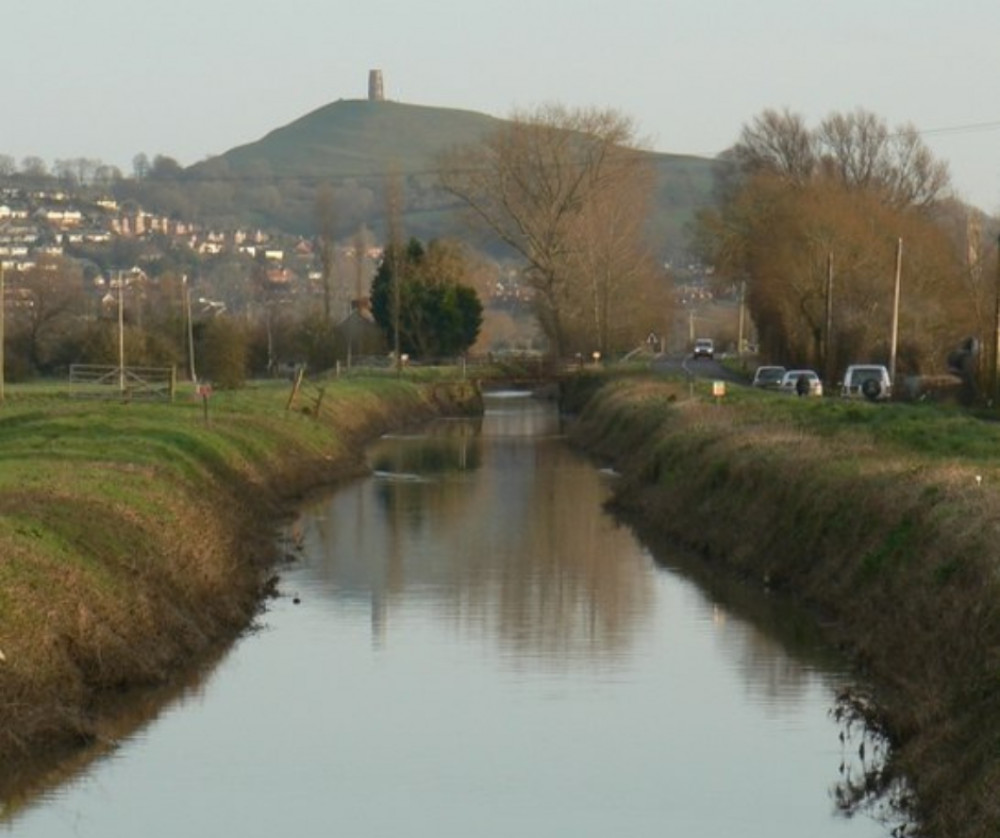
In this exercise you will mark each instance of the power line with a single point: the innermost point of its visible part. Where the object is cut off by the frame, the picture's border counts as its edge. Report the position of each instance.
(972, 128)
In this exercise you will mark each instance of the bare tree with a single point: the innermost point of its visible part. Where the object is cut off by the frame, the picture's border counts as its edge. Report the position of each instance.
(860, 149)
(777, 142)
(34, 167)
(51, 300)
(848, 190)
(326, 240)
(537, 183)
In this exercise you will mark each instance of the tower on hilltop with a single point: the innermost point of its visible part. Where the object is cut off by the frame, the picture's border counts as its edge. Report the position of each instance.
(376, 93)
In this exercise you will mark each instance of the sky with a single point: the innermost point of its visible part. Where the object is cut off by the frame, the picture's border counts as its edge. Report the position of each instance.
(110, 79)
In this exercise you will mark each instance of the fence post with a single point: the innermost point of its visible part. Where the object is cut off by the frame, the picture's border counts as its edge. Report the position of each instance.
(299, 373)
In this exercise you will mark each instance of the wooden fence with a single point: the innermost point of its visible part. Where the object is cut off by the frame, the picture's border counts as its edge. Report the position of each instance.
(130, 383)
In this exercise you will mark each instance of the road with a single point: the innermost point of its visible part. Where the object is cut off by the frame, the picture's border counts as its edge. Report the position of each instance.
(700, 368)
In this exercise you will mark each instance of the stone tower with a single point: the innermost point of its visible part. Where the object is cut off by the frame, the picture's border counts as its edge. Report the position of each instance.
(376, 93)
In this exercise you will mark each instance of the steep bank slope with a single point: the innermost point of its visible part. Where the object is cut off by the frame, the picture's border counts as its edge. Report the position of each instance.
(137, 538)
(895, 549)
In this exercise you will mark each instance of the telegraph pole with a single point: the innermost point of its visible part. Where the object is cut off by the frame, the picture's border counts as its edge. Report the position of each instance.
(190, 330)
(3, 334)
(121, 334)
(895, 313)
(828, 342)
(393, 200)
(996, 330)
(743, 308)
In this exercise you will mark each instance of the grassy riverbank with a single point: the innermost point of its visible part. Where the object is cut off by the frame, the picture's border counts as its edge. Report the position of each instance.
(885, 519)
(137, 538)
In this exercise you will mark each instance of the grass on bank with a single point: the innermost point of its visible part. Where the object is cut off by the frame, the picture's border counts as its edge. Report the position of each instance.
(135, 536)
(925, 429)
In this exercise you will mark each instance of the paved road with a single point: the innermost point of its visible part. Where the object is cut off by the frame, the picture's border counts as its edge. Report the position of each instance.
(700, 368)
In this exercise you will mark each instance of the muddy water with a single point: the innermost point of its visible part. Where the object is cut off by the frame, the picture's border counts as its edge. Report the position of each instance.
(466, 644)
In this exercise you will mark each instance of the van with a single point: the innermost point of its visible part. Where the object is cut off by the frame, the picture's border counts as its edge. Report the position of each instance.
(869, 381)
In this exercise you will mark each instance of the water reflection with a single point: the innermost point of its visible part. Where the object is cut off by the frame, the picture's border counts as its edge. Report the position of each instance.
(498, 534)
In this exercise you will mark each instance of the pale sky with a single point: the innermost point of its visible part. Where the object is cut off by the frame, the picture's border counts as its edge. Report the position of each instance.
(108, 79)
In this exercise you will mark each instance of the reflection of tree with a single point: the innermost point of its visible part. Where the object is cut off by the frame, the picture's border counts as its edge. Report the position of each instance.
(554, 586)
(774, 644)
(520, 551)
(869, 780)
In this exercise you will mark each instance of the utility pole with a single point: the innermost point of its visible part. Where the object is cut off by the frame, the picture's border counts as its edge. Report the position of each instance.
(895, 313)
(743, 308)
(393, 200)
(190, 330)
(828, 359)
(121, 335)
(3, 333)
(996, 329)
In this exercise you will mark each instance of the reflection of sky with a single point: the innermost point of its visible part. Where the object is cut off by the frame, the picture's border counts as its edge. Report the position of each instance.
(532, 674)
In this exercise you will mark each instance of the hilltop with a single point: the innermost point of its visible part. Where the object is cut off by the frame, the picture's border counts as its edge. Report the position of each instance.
(354, 139)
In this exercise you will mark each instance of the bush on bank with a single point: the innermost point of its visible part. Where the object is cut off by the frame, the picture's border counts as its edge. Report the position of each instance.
(137, 538)
(883, 518)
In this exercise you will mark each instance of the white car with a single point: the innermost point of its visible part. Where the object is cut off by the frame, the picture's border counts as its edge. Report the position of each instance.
(811, 386)
(704, 348)
(870, 381)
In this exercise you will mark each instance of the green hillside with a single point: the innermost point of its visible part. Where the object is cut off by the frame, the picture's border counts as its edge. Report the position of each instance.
(353, 146)
(358, 138)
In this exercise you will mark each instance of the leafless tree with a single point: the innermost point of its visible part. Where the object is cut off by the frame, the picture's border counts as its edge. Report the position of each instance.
(860, 149)
(326, 241)
(777, 142)
(847, 191)
(539, 183)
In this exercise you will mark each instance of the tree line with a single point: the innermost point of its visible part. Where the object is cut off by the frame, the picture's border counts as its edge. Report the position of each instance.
(809, 221)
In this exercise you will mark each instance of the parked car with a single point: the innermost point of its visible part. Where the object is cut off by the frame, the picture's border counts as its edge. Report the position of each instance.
(704, 348)
(869, 381)
(768, 377)
(810, 386)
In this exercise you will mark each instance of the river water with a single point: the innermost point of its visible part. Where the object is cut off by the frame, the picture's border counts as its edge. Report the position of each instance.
(467, 644)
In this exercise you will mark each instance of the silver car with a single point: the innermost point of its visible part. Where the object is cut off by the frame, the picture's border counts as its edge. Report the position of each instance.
(768, 377)
(810, 386)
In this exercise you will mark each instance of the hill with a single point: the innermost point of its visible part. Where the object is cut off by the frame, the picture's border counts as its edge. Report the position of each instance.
(353, 146)
(356, 139)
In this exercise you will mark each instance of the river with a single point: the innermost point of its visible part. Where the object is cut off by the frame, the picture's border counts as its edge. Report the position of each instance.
(466, 644)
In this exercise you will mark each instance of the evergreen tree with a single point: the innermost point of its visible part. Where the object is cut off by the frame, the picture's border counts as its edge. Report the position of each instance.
(439, 315)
